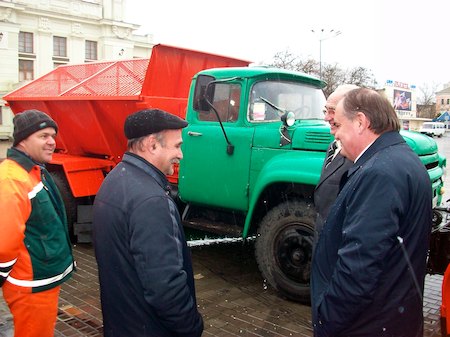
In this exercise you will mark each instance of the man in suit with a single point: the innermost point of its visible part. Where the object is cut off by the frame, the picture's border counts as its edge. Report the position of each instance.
(369, 264)
(334, 166)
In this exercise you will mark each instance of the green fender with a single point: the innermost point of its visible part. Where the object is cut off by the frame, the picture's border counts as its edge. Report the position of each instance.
(442, 160)
(298, 167)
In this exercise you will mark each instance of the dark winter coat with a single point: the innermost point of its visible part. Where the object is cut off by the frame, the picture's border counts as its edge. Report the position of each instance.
(327, 189)
(144, 264)
(361, 282)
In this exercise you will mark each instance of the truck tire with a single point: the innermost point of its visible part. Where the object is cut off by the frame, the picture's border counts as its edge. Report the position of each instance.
(283, 249)
(69, 201)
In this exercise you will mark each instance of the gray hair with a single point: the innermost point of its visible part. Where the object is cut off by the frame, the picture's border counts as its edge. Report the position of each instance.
(137, 144)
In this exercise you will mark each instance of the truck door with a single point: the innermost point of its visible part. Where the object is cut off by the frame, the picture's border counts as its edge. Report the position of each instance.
(209, 174)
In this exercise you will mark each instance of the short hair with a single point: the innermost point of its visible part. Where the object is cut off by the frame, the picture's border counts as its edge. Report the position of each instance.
(376, 107)
(138, 143)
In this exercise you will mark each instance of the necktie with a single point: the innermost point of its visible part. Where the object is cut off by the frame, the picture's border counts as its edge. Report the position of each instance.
(330, 153)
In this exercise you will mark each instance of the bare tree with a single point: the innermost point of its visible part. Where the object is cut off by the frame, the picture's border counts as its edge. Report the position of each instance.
(286, 60)
(426, 111)
(360, 76)
(332, 75)
(289, 61)
(427, 93)
(310, 66)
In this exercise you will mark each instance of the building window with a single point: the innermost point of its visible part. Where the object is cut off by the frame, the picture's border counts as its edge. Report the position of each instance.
(26, 71)
(91, 50)
(442, 101)
(26, 42)
(448, 100)
(57, 64)
(59, 46)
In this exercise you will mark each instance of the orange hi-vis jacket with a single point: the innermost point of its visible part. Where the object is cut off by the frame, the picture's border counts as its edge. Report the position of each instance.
(35, 249)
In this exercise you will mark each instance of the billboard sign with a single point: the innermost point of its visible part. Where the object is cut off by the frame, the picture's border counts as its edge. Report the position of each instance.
(402, 100)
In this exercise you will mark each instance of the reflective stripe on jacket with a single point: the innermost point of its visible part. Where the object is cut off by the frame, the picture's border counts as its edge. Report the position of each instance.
(35, 249)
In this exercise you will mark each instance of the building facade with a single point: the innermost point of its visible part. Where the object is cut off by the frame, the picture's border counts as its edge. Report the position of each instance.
(403, 98)
(37, 36)
(443, 105)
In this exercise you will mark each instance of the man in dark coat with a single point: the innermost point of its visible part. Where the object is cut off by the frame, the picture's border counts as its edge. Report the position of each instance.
(144, 264)
(327, 189)
(369, 264)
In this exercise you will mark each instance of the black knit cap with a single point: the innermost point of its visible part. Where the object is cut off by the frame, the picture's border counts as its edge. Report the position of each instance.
(148, 121)
(28, 122)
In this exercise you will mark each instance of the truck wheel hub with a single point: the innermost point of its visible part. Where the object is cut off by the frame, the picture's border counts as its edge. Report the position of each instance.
(293, 251)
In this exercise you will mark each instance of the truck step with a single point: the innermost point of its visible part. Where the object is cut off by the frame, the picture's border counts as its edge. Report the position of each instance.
(214, 227)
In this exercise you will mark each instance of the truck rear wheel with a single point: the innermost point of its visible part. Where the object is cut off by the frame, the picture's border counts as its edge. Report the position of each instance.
(69, 201)
(283, 249)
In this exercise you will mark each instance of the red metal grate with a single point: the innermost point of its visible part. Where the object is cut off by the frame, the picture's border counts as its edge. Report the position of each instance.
(114, 78)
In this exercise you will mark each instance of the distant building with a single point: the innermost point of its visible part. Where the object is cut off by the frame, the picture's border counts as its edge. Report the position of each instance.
(443, 104)
(426, 110)
(37, 36)
(403, 99)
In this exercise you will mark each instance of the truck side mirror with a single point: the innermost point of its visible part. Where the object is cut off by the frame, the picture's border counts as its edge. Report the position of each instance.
(203, 93)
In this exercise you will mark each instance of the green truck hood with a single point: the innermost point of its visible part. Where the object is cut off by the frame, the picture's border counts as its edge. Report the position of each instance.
(421, 144)
(311, 136)
(308, 135)
(316, 136)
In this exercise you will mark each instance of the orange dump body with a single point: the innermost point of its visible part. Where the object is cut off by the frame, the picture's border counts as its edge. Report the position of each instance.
(90, 102)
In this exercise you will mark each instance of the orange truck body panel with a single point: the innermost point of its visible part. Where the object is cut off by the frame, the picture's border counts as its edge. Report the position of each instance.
(91, 101)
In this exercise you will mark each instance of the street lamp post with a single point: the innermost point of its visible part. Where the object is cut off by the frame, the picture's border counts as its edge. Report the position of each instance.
(324, 35)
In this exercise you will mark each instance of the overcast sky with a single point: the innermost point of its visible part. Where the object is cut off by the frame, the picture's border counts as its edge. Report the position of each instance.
(405, 41)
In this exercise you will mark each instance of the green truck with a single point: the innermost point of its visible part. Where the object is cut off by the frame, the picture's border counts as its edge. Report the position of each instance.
(253, 150)
(254, 153)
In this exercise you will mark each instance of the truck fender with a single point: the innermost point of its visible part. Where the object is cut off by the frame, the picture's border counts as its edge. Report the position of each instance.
(297, 167)
(84, 174)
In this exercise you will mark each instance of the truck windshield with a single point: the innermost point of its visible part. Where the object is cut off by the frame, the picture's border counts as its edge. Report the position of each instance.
(305, 101)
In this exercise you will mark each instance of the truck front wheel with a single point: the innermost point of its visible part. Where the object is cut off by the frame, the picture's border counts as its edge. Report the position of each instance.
(283, 249)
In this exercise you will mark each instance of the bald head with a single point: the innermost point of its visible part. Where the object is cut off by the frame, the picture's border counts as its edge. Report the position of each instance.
(332, 102)
(340, 92)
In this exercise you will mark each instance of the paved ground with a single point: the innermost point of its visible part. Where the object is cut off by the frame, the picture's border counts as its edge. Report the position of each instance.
(232, 297)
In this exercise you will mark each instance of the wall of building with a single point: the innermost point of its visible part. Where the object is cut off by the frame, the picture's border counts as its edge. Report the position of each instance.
(404, 100)
(443, 102)
(76, 20)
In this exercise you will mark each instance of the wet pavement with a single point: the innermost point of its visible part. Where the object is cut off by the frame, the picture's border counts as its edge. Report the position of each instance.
(231, 295)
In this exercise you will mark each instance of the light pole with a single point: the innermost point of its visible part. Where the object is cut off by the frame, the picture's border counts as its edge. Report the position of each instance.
(324, 35)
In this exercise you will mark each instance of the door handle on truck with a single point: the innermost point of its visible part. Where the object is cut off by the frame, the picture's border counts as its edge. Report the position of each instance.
(195, 134)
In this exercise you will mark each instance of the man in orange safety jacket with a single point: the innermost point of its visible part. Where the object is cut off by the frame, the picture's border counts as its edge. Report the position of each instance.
(35, 250)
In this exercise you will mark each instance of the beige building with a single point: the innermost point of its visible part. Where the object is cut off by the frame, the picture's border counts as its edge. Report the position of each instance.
(37, 36)
(443, 103)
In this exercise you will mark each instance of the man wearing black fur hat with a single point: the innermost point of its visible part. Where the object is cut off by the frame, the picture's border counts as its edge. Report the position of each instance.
(145, 269)
(35, 251)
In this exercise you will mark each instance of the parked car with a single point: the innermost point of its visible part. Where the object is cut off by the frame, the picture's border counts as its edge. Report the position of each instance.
(433, 129)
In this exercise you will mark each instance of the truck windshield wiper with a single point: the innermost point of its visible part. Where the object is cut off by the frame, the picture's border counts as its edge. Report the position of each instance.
(287, 118)
(283, 111)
